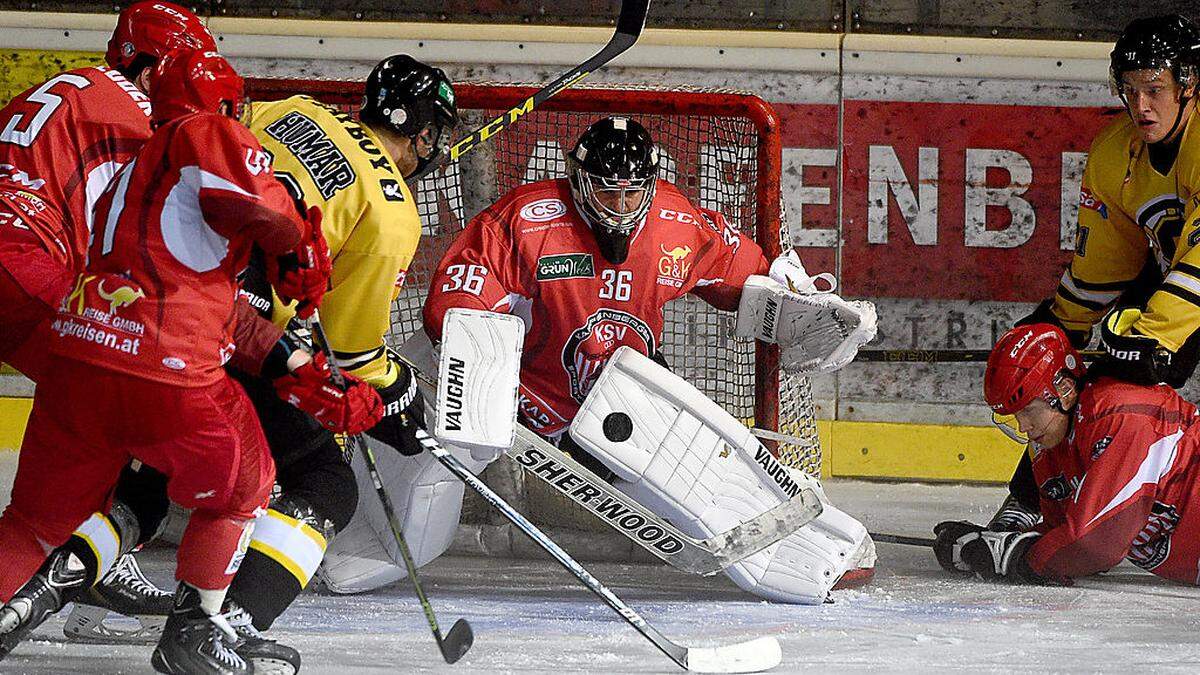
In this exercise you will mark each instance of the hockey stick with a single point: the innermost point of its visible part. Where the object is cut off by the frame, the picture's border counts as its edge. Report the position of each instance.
(630, 23)
(927, 542)
(743, 657)
(942, 355)
(640, 525)
(460, 638)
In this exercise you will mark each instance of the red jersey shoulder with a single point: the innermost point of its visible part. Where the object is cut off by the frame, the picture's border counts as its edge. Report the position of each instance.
(1106, 395)
(215, 141)
(535, 204)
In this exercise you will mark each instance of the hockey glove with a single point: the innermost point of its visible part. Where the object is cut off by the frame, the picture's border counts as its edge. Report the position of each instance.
(1000, 555)
(303, 275)
(310, 388)
(403, 413)
(1131, 356)
(952, 535)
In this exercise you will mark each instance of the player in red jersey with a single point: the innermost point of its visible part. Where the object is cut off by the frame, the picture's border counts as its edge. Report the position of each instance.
(586, 290)
(60, 144)
(1115, 464)
(149, 325)
(590, 261)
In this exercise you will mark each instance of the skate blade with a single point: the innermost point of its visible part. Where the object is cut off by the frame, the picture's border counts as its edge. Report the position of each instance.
(86, 624)
(264, 666)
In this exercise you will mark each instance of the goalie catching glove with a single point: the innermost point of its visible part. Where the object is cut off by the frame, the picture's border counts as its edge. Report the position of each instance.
(817, 331)
(310, 388)
(403, 411)
(303, 275)
(965, 547)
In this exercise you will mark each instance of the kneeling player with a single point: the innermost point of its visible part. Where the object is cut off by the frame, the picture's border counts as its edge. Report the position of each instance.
(597, 279)
(1115, 463)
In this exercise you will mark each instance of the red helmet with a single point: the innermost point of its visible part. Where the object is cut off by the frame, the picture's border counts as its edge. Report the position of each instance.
(190, 81)
(1024, 364)
(154, 28)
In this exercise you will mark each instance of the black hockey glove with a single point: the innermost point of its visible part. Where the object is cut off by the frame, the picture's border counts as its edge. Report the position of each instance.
(403, 412)
(1134, 357)
(1012, 516)
(1001, 555)
(951, 536)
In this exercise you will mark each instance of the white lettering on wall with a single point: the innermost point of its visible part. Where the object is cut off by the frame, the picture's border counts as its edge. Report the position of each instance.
(978, 196)
(919, 208)
(799, 194)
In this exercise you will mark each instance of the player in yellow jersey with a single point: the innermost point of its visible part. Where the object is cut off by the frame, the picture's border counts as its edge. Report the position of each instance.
(356, 173)
(1136, 269)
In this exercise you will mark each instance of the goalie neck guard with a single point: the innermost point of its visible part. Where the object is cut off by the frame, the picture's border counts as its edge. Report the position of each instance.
(1024, 365)
(612, 170)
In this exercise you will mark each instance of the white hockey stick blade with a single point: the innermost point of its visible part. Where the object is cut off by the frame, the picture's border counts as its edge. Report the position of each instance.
(86, 624)
(769, 435)
(753, 656)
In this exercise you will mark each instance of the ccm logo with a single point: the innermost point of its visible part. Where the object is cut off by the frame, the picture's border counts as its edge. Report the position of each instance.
(543, 210)
(667, 214)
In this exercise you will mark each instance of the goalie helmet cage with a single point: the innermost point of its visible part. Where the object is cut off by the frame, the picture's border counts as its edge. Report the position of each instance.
(721, 148)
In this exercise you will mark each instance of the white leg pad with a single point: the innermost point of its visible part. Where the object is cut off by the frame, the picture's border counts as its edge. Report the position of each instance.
(692, 463)
(428, 499)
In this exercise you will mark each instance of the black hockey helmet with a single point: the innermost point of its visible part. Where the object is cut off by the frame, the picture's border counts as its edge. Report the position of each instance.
(612, 169)
(415, 101)
(1170, 42)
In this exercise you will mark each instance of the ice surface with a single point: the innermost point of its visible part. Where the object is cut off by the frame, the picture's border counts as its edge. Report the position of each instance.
(532, 617)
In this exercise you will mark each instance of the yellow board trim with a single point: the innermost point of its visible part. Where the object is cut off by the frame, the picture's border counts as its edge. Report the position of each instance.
(881, 450)
(889, 450)
(14, 412)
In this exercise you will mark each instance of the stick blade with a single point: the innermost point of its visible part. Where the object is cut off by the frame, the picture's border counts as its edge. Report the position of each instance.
(754, 656)
(457, 641)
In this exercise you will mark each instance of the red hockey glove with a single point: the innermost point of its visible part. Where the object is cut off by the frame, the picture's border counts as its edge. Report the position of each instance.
(311, 389)
(303, 274)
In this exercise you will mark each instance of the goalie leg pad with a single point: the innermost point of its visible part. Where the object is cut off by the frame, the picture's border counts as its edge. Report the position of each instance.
(428, 500)
(478, 375)
(689, 461)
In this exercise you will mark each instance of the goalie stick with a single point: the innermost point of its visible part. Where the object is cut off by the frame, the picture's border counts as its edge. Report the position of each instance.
(751, 656)
(630, 23)
(705, 557)
(460, 638)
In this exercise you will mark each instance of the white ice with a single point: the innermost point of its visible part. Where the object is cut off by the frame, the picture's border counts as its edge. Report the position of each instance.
(531, 616)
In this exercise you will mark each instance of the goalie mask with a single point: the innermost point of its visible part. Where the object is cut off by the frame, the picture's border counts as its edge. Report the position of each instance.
(416, 101)
(1028, 362)
(612, 169)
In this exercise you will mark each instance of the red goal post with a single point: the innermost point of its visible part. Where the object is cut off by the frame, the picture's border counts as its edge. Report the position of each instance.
(721, 148)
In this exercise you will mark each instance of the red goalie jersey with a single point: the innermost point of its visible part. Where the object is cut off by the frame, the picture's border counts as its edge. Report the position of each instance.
(63, 141)
(532, 255)
(172, 232)
(1123, 484)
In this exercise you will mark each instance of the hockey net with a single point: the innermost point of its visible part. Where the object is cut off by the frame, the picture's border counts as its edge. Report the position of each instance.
(722, 149)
